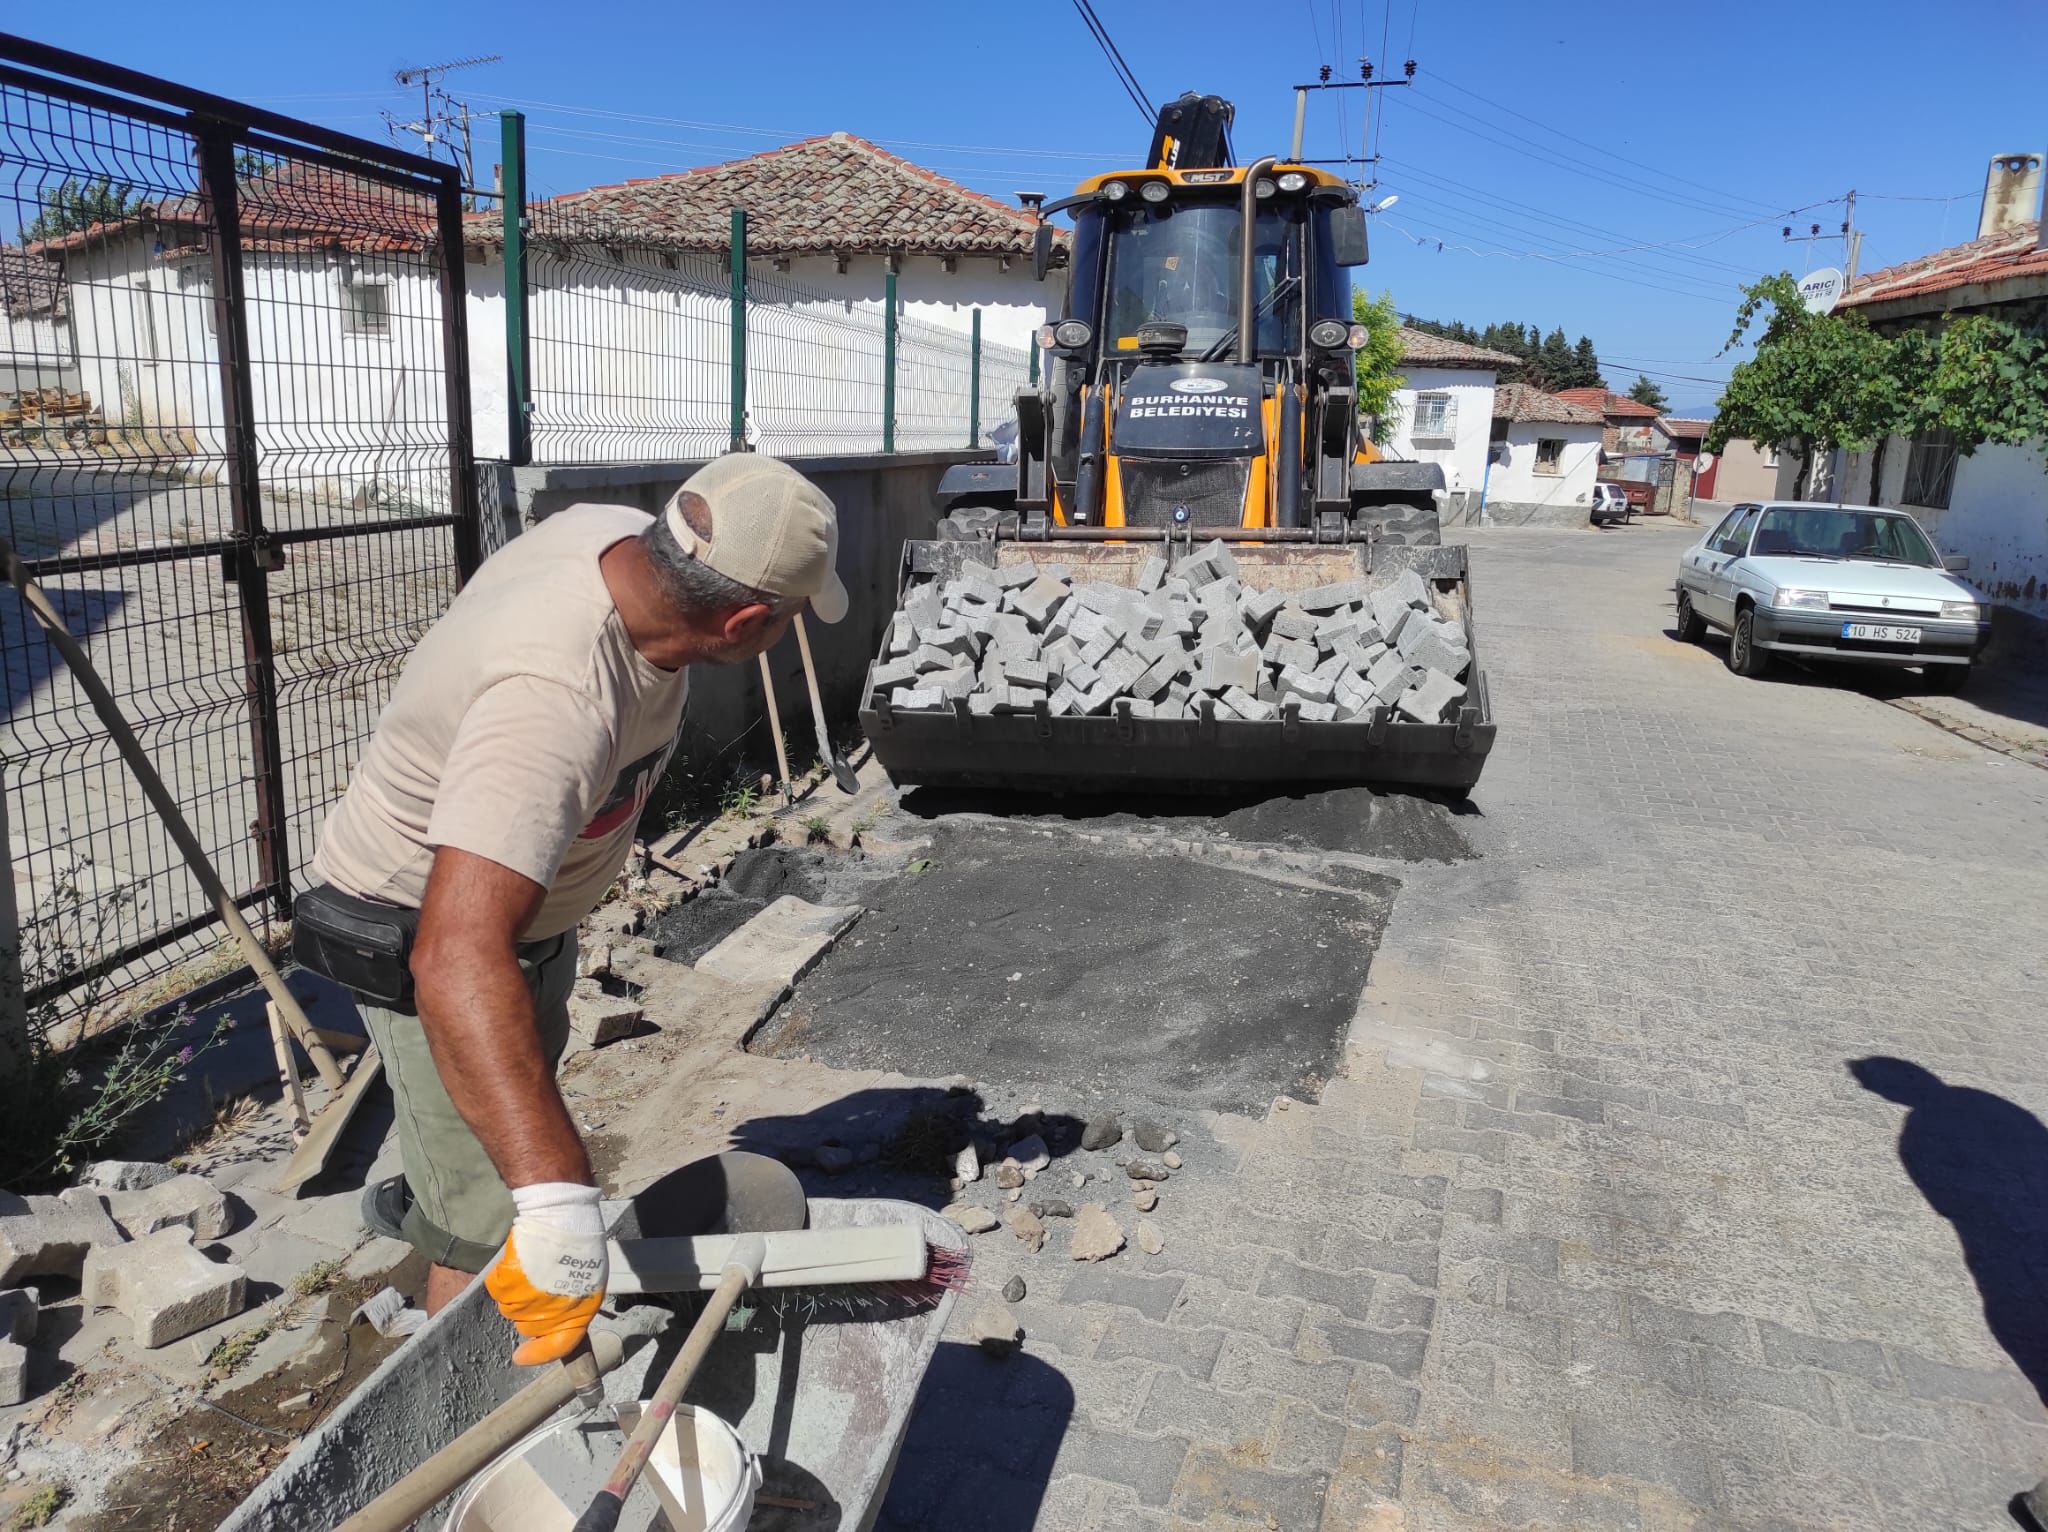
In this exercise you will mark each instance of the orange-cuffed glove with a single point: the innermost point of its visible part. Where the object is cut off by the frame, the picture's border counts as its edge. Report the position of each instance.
(552, 1275)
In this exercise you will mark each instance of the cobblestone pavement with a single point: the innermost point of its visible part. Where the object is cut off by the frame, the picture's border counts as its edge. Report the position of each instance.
(1599, 1228)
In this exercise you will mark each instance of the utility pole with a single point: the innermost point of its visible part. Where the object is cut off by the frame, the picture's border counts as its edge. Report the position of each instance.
(1365, 82)
(1852, 241)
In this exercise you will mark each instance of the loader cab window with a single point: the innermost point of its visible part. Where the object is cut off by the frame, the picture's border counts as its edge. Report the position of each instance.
(1180, 264)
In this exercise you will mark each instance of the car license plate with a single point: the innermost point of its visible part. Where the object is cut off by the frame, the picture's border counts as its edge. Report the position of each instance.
(1879, 632)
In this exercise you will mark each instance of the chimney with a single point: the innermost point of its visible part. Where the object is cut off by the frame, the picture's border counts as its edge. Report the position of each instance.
(2012, 192)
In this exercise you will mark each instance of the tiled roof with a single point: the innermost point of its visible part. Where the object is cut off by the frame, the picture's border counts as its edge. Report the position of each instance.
(836, 194)
(28, 283)
(2012, 252)
(292, 207)
(1419, 348)
(1519, 401)
(1608, 403)
(1680, 425)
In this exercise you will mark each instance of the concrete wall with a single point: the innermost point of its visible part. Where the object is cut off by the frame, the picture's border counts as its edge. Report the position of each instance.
(1746, 472)
(1463, 452)
(1013, 303)
(1518, 495)
(882, 503)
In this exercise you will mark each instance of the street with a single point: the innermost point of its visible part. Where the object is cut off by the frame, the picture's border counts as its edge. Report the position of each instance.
(1605, 1220)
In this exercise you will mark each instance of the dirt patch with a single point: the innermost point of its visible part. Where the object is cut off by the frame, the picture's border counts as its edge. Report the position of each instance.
(200, 1466)
(756, 879)
(1030, 957)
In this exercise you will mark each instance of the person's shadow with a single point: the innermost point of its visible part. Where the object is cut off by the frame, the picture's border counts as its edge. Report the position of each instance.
(1982, 1163)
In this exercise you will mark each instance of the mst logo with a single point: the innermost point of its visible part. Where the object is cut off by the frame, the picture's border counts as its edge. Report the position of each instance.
(1198, 385)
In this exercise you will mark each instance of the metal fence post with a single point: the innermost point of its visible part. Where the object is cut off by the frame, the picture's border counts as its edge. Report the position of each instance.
(248, 564)
(974, 386)
(1033, 348)
(739, 329)
(518, 332)
(889, 355)
(16, 1047)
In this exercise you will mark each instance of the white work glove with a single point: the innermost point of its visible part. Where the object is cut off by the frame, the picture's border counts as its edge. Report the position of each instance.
(552, 1275)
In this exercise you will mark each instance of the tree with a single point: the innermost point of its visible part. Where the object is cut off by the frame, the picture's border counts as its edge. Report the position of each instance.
(1377, 364)
(1554, 361)
(1643, 391)
(73, 204)
(1817, 381)
(1586, 365)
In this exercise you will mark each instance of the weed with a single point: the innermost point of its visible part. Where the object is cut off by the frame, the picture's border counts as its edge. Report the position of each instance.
(740, 798)
(231, 1351)
(817, 828)
(40, 1509)
(317, 1278)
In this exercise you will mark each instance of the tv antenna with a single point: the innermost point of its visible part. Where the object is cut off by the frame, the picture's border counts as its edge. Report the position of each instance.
(450, 112)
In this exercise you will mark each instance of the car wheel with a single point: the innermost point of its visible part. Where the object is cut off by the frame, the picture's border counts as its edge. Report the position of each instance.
(1691, 626)
(1946, 680)
(1744, 657)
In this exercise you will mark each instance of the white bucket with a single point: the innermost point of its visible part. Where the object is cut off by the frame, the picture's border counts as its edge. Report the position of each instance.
(702, 1477)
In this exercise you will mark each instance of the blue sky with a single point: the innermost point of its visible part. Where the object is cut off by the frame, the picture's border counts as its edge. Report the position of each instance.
(1586, 166)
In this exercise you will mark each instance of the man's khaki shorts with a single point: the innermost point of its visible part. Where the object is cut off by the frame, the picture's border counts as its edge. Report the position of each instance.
(461, 1212)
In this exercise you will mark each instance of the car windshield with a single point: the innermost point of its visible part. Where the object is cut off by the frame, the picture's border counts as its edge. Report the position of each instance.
(1842, 532)
(1179, 264)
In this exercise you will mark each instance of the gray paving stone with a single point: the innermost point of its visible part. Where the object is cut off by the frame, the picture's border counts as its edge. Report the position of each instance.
(1206, 1413)
(1806, 1392)
(1725, 1333)
(1600, 1452)
(1245, 1365)
(1399, 1351)
(1788, 1348)
(1148, 1466)
(1349, 1293)
(1154, 1297)
(1348, 1252)
(2006, 1387)
(1214, 1484)
(1192, 1351)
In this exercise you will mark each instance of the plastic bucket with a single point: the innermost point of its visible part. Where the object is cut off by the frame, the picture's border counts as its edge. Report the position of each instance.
(699, 1475)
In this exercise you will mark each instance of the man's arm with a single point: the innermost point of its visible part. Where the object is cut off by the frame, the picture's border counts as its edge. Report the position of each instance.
(479, 1020)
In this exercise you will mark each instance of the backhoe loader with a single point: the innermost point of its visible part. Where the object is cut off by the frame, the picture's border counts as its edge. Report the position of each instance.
(1199, 385)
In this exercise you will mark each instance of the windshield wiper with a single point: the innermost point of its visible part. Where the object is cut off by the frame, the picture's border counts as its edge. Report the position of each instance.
(1228, 339)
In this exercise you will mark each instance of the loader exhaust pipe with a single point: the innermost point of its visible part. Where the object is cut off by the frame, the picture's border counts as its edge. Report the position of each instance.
(1247, 303)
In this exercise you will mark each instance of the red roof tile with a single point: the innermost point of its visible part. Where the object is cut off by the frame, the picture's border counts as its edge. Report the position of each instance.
(1521, 401)
(2012, 252)
(1608, 403)
(1419, 348)
(1680, 425)
(835, 194)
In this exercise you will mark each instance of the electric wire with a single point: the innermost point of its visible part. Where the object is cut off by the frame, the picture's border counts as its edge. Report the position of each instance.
(1122, 70)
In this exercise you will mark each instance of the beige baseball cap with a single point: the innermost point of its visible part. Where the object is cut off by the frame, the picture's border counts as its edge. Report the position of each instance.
(771, 528)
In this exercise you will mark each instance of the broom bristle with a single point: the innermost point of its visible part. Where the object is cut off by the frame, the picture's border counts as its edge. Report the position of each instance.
(948, 1266)
(946, 1269)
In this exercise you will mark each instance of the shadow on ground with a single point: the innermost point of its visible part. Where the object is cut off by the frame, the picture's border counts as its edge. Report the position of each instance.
(981, 1443)
(1981, 1161)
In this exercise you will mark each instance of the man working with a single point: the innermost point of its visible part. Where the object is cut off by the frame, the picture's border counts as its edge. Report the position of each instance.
(498, 799)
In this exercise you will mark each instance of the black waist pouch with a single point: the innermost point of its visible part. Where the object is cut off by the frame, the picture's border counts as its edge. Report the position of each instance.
(364, 945)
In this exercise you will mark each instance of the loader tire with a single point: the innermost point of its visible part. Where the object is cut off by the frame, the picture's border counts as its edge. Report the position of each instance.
(974, 523)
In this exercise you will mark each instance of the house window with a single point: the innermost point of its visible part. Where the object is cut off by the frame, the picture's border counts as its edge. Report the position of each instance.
(1931, 471)
(367, 309)
(1435, 415)
(145, 321)
(1549, 454)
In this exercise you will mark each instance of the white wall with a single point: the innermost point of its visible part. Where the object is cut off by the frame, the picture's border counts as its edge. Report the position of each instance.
(1997, 516)
(1516, 489)
(1012, 302)
(1463, 454)
(35, 352)
(1747, 472)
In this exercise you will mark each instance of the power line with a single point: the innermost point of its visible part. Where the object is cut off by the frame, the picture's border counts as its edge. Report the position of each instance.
(1124, 76)
(1443, 244)
(1581, 142)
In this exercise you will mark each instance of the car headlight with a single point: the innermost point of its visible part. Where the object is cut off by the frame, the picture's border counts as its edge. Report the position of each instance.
(1961, 611)
(1812, 600)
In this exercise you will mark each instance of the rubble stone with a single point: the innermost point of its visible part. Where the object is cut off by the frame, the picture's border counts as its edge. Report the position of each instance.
(49, 1237)
(1154, 1137)
(1150, 1239)
(1028, 1227)
(975, 1220)
(124, 1175)
(1097, 1236)
(18, 1314)
(996, 1330)
(13, 1372)
(187, 1201)
(164, 1285)
(600, 1019)
(1102, 1132)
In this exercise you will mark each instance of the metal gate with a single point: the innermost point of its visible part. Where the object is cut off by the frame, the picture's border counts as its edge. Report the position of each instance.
(234, 446)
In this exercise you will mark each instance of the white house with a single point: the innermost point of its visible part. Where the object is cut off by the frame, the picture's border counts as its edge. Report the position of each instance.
(1991, 505)
(1546, 458)
(1443, 410)
(630, 287)
(35, 342)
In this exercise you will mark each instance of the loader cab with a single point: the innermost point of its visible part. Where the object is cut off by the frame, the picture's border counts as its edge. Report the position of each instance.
(1153, 303)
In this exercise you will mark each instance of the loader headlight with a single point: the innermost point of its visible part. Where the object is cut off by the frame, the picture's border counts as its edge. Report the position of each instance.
(1329, 335)
(1810, 600)
(1293, 181)
(1153, 191)
(1359, 336)
(1072, 334)
(1115, 191)
(1262, 188)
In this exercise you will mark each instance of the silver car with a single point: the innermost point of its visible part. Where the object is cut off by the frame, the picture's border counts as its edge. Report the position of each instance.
(1831, 582)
